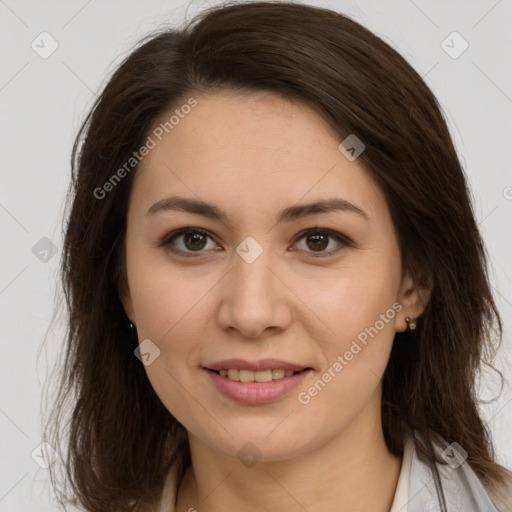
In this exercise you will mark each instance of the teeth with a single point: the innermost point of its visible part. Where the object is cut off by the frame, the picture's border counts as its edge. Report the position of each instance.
(278, 374)
(247, 375)
(258, 376)
(233, 374)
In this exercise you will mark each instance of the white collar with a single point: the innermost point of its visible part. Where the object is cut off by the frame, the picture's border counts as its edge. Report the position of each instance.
(402, 488)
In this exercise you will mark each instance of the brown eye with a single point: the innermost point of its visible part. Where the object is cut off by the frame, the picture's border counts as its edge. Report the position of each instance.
(317, 240)
(187, 241)
(194, 241)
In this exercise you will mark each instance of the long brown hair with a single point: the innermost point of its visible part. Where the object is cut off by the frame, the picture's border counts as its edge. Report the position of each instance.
(120, 438)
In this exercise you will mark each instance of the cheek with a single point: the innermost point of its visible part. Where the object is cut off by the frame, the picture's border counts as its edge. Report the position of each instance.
(357, 302)
(166, 296)
(170, 308)
(164, 309)
(361, 312)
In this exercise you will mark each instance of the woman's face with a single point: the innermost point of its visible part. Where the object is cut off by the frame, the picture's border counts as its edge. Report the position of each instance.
(253, 284)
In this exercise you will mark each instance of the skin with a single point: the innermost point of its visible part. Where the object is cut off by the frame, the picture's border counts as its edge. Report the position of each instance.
(253, 155)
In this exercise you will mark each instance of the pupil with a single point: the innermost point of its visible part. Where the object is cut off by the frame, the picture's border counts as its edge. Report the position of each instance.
(196, 237)
(319, 238)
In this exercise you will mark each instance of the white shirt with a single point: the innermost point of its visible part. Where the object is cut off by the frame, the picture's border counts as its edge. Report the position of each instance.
(402, 488)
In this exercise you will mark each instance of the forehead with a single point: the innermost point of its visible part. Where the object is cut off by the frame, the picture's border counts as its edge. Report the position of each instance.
(258, 123)
(251, 152)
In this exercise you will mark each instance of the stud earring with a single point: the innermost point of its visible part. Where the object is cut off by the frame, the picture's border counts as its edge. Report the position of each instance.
(411, 323)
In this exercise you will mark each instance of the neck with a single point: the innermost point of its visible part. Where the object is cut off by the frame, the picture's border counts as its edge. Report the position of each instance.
(352, 471)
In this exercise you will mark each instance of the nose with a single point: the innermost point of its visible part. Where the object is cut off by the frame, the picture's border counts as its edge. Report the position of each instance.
(255, 298)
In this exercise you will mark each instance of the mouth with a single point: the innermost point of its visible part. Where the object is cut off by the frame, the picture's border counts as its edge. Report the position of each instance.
(256, 387)
(266, 375)
(256, 382)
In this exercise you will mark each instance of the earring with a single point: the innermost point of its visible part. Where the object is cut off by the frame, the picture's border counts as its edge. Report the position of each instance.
(411, 323)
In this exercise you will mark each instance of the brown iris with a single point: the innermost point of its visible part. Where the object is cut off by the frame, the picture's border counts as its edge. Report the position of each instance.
(320, 241)
(197, 240)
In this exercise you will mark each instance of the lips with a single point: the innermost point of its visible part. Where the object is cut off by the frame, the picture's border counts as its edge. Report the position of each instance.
(249, 390)
(256, 382)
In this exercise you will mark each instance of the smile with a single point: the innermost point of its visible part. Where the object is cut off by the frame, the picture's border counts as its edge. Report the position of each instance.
(256, 387)
(255, 376)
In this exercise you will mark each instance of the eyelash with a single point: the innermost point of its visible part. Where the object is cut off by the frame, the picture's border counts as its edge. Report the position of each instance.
(345, 241)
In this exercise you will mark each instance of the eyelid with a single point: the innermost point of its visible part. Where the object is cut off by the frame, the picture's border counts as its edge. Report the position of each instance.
(344, 240)
(167, 239)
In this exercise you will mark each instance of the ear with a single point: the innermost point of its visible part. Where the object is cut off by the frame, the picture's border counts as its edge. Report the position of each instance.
(126, 299)
(413, 295)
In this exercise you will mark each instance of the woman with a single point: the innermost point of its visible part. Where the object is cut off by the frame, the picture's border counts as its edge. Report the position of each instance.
(277, 289)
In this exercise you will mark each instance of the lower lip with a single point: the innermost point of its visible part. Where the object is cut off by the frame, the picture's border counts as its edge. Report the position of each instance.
(257, 392)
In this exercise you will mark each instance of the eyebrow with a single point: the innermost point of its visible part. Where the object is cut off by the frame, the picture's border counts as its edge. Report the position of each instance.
(289, 214)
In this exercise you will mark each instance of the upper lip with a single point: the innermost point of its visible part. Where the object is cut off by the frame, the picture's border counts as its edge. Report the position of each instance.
(262, 364)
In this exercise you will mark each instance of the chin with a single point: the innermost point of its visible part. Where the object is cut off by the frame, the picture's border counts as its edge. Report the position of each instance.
(259, 443)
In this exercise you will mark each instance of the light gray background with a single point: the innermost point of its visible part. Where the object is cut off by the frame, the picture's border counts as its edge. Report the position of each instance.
(42, 102)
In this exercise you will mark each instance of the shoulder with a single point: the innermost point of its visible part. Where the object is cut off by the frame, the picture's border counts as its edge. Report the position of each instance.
(446, 469)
